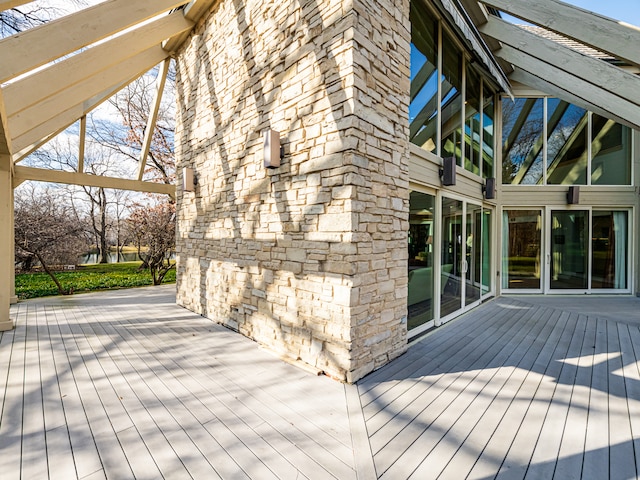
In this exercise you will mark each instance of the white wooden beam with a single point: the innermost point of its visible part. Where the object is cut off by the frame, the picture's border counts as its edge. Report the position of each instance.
(567, 94)
(34, 139)
(592, 94)
(5, 140)
(25, 51)
(42, 84)
(602, 33)
(38, 114)
(595, 71)
(23, 174)
(153, 117)
(7, 4)
(192, 12)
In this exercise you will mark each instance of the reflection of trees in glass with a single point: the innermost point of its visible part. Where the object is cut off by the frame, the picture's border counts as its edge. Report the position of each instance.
(424, 79)
(567, 153)
(522, 130)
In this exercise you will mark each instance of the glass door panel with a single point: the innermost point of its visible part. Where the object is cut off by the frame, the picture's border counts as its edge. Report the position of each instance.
(522, 241)
(485, 273)
(452, 256)
(569, 250)
(473, 257)
(420, 303)
(609, 250)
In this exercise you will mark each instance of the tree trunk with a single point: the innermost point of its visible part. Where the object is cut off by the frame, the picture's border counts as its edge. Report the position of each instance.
(104, 247)
(61, 290)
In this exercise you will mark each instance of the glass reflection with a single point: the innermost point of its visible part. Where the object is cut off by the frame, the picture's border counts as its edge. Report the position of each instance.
(567, 153)
(611, 152)
(451, 100)
(451, 256)
(488, 154)
(522, 141)
(569, 255)
(472, 150)
(423, 109)
(420, 302)
(609, 250)
(521, 249)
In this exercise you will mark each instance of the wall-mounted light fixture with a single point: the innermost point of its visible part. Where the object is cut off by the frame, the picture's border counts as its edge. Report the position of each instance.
(489, 188)
(189, 180)
(573, 195)
(448, 171)
(273, 152)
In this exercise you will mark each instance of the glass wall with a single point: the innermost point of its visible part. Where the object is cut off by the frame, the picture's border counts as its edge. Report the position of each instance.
(451, 108)
(421, 224)
(521, 249)
(609, 249)
(578, 148)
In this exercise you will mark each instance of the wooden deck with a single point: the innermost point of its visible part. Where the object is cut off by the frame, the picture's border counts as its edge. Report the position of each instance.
(126, 385)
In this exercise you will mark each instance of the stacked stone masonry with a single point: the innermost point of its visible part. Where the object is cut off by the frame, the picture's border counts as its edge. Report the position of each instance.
(310, 258)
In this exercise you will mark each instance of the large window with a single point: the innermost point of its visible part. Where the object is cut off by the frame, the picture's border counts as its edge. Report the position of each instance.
(547, 141)
(451, 109)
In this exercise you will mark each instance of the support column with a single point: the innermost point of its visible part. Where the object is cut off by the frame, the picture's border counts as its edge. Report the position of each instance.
(6, 242)
(12, 283)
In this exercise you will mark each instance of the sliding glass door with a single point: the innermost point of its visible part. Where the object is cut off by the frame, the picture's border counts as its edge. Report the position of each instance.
(577, 251)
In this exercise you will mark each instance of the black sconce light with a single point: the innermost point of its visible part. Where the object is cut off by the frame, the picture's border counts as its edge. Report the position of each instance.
(573, 195)
(489, 188)
(448, 171)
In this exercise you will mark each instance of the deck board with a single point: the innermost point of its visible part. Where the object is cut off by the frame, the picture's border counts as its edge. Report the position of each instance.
(127, 385)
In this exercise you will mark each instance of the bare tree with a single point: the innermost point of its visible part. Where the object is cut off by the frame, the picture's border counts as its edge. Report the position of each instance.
(155, 229)
(16, 20)
(47, 230)
(133, 104)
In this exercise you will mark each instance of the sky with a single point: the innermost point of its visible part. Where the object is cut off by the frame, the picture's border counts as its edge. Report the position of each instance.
(627, 11)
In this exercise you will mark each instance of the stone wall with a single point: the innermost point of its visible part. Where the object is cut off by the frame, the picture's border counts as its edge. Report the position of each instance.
(309, 258)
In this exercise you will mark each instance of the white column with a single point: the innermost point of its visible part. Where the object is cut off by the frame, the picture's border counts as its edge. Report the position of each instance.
(12, 282)
(6, 241)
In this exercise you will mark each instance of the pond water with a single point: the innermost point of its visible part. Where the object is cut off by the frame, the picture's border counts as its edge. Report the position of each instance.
(93, 257)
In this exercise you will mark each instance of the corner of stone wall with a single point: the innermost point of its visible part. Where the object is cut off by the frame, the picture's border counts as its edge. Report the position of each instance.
(310, 258)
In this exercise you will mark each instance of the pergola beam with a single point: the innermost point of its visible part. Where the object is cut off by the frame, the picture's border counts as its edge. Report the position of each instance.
(7, 4)
(45, 83)
(597, 31)
(40, 113)
(40, 45)
(192, 12)
(595, 71)
(566, 94)
(153, 117)
(590, 93)
(23, 174)
(40, 135)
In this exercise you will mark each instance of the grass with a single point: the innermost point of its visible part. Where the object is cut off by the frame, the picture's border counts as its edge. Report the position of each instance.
(87, 278)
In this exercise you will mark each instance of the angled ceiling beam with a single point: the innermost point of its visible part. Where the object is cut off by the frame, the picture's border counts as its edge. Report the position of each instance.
(34, 139)
(153, 117)
(23, 174)
(602, 33)
(41, 85)
(591, 94)
(598, 72)
(192, 12)
(25, 51)
(5, 140)
(7, 4)
(543, 84)
(40, 113)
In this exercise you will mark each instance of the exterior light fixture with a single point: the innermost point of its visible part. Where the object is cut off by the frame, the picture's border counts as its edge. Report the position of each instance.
(273, 152)
(189, 180)
(448, 171)
(489, 188)
(573, 195)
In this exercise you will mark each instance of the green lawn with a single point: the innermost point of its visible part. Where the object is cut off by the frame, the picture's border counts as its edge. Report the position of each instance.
(87, 278)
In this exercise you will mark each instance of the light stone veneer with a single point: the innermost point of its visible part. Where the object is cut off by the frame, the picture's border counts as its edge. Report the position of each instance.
(310, 258)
